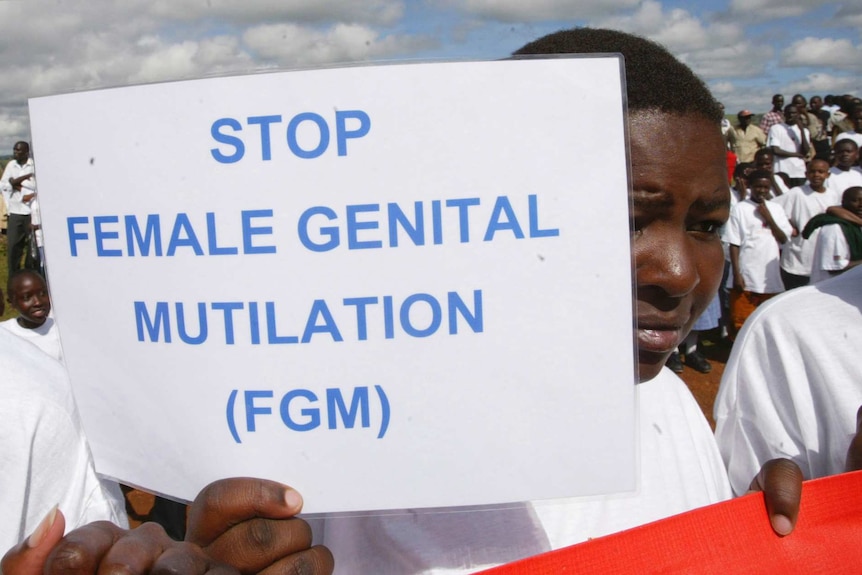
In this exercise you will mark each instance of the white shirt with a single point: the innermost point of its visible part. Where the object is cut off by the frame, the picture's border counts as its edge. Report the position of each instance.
(831, 253)
(801, 204)
(788, 138)
(44, 456)
(680, 469)
(782, 187)
(839, 180)
(758, 249)
(14, 198)
(46, 337)
(36, 220)
(851, 135)
(791, 387)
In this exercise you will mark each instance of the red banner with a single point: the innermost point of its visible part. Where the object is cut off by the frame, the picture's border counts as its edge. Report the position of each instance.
(730, 537)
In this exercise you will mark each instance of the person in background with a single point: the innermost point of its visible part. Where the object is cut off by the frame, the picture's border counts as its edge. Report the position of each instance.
(823, 145)
(744, 138)
(854, 131)
(845, 173)
(773, 116)
(28, 295)
(838, 246)
(800, 205)
(791, 387)
(764, 159)
(18, 186)
(790, 142)
(756, 230)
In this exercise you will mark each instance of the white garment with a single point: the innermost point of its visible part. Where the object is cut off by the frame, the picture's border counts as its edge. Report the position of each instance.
(791, 387)
(44, 456)
(855, 136)
(839, 180)
(758, 249)
(801, 204)
(14, 198)
(46, 337)
(831, 253)
(789, 139)
(36, 220)
(680, 469)
(782, 187)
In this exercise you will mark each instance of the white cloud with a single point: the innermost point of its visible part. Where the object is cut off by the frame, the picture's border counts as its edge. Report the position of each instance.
(820, 83)
(377, 12)
(756, 97)
(54, 46)
(849, 15)
(713, 49)
(823, 52)
(517, 11)
(290, 45)
(679, 30)
(759, 10)
(14, 126)
(736, 60)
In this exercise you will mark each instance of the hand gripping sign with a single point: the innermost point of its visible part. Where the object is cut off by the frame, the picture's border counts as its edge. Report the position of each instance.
(364, 282)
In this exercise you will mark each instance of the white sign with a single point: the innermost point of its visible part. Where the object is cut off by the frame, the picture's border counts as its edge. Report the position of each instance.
(394, 286)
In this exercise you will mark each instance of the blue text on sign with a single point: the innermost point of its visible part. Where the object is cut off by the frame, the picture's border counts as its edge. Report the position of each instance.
(307, 134)
(300, 410)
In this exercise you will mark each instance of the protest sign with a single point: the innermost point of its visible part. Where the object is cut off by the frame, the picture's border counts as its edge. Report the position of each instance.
(366, 282)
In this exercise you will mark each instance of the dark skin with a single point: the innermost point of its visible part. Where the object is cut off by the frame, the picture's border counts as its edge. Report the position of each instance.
(801, 104)
(741, 185)
(21, 153)
(765, 162)
(235, 526)
(793, 118)
(846, 156)
(851, 207)
(854, 452)
(680, 199)
(760, 192)
(817, 174)
(777, 103)
(28, 295)
(816, 103)
(857, 119)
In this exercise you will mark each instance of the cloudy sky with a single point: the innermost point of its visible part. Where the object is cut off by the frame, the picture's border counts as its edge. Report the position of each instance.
(745, 49)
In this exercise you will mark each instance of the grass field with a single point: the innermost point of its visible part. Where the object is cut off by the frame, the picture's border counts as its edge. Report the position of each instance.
(4, 275)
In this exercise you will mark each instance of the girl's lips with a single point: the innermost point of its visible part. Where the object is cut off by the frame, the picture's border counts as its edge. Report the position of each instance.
(662, 340)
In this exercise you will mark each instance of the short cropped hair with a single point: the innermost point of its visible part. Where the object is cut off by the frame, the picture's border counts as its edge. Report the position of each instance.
(21, 273)
(849, 193)
(759, 175)
(655, 79)
(846, 142)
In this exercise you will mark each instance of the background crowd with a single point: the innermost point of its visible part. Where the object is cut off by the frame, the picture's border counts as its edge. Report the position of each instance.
(787, 167)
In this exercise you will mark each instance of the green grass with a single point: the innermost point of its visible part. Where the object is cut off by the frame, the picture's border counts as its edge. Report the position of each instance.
(4, 275)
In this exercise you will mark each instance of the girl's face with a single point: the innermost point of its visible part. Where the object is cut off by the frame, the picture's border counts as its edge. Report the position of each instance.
(680, 199)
